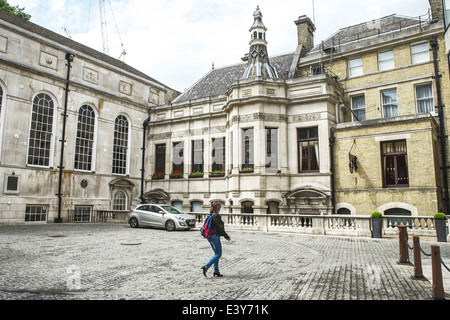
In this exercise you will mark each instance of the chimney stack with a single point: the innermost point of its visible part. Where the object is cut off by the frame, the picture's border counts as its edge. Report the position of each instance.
(305, 32)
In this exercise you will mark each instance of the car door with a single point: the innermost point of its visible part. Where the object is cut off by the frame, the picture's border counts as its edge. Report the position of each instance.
(155, 217)
(144, 214)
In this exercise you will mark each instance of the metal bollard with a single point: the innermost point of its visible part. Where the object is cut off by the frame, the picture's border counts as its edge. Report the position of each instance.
(438, 286)
(418, 273)
(402, 236)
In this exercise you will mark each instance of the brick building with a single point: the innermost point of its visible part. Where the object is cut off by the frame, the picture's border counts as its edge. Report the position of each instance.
(350, 125)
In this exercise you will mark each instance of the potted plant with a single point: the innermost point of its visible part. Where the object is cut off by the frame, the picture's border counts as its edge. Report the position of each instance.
(376, 221)
(440, 222)
(247, 170)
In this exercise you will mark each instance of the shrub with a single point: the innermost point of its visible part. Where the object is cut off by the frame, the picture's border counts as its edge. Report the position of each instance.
(439, 216)
(376, 215)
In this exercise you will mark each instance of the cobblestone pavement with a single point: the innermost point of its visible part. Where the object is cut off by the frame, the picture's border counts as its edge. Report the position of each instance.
(113, 262)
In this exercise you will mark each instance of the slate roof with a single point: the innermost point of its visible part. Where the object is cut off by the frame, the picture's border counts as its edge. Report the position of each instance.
(368, 29)
(71, 44)
(217, 82)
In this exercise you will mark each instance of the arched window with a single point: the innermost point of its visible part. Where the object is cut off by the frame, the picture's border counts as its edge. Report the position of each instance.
(196, 206)
(344, 211)
(120, 201)
(120, 152)
(273, 207)
(178, 205)
(41, 131)
(85, 139)
(247, 207)
(1, 120)
(393, 223)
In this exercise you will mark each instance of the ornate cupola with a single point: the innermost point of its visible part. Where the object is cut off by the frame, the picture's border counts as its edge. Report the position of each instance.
(258, 58)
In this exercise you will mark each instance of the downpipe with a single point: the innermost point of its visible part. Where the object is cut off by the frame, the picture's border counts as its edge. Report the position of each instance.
(145, 125)
(69, 58)
(442, 136)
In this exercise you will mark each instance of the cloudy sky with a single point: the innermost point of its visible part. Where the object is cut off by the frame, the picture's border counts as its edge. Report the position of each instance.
(177, 41)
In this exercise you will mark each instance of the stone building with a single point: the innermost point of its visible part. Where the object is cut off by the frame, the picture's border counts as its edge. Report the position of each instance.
(349, 126)
(105, 107)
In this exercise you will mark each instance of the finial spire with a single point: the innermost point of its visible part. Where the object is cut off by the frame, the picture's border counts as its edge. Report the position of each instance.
(258, 58)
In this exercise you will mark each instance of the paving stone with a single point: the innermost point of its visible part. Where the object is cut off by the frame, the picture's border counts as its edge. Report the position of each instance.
(112, 262)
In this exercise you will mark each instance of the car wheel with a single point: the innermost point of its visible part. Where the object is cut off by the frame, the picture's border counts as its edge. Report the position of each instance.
(170, 225)
(134, 223)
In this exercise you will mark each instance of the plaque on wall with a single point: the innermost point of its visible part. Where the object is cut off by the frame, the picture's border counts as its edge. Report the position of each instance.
(48, 60)
(3, 44)
(90, 75)
(153, 96)
(125, 88)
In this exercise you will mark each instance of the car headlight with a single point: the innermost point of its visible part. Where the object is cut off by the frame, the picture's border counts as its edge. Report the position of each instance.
(180, 218)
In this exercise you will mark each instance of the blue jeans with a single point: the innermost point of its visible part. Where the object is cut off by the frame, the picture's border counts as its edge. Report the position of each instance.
(216, 245)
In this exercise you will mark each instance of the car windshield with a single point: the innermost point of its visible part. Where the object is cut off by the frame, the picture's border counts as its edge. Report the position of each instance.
(171, 210)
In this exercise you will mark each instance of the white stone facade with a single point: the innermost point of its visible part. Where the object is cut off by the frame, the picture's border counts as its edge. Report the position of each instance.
(107, 93)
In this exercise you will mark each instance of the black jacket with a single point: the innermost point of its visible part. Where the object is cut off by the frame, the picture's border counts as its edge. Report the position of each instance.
(217, 223)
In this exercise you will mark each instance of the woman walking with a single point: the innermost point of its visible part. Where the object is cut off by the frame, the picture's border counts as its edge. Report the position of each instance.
(214, 240)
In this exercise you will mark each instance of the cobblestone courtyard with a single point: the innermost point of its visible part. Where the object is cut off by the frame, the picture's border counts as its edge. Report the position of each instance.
(113, 262)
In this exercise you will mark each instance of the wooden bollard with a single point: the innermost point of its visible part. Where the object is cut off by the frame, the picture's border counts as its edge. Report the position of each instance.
(418, 272)
(438, 286)
(402, 236)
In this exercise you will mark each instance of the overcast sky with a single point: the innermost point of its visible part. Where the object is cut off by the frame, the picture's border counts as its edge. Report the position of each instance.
(176, 41)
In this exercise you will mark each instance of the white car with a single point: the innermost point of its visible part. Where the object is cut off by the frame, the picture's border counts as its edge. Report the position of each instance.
(160, 215)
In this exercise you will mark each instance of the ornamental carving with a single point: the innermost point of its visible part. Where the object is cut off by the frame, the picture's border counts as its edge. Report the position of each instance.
(161, 136)
(305, 117)
(125, 88)
(90, 75)
(48, 60)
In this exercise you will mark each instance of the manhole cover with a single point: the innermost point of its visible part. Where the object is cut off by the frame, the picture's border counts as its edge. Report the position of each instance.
(130, 243)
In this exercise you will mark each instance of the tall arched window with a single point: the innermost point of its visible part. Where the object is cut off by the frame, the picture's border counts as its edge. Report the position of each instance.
(120, 201)
(120, 152)
(85, 139)
(1, 120)
(41, 131)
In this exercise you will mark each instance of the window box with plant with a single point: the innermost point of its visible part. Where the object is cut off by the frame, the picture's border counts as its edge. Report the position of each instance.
(197, 174)
(176, 174)
(217, 173)
(158, 175)
(247, 170)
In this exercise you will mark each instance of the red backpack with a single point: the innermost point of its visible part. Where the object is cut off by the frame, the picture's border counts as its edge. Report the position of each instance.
(207, 230)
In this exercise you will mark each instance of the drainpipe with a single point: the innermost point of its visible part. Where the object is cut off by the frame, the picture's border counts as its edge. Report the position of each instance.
(69, 58)
(333, 199)
(146, 122)
(442, 136)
